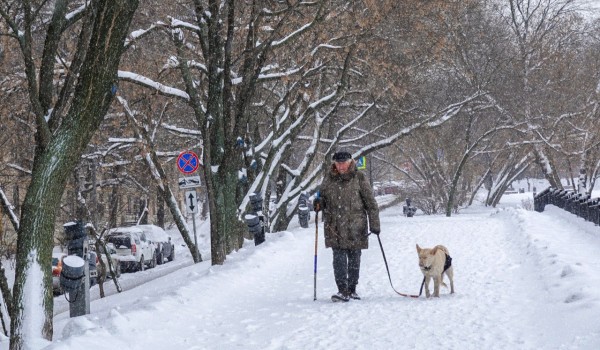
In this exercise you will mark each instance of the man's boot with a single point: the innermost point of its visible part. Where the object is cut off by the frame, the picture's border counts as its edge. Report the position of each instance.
(341, 295)
(352, 294)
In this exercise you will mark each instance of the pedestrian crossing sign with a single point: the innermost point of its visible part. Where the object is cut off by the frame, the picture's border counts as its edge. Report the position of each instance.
(361, 163)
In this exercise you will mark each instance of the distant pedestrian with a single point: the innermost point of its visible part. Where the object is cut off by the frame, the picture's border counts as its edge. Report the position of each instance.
(347, 200)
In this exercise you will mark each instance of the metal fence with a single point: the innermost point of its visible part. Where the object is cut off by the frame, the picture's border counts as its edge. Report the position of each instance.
(580, 204)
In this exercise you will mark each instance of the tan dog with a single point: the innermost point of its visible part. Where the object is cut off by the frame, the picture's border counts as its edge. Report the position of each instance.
(431, 263)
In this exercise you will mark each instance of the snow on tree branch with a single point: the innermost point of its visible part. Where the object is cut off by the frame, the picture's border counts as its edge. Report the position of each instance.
(149, 83)
(325, 46)
(18, 167)
(140, 33)
(77, 12)
(176, 23)
(182, 131)
(9, 210)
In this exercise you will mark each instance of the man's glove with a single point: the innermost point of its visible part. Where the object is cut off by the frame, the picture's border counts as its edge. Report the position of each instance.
(317, 204)
(375, 232)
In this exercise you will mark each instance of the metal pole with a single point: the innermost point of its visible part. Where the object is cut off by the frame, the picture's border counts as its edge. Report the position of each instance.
(316, 245)
(370, 172)
(80, 299)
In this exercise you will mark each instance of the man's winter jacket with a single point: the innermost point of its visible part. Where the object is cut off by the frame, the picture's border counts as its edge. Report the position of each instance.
(347, 200)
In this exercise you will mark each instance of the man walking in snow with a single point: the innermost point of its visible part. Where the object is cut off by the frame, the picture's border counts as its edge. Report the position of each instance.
(346, 199)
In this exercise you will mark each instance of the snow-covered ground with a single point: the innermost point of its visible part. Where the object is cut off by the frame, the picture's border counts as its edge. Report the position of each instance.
(524, 280)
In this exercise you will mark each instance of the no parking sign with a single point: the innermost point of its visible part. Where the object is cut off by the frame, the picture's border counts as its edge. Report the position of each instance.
(188, 162)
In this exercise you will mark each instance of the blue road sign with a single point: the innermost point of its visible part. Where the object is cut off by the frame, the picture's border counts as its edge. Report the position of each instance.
(188, 162)
(361, 164)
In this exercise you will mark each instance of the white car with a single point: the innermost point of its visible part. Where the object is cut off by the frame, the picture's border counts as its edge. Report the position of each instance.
(134, 250)
(165, 249)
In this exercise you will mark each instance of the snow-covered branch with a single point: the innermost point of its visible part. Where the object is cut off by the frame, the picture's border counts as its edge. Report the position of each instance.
(136, 35)
(149, 83)
(9, 210)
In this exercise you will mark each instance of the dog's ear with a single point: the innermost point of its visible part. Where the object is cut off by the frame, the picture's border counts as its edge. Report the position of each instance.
(434, 250)
(418, 248)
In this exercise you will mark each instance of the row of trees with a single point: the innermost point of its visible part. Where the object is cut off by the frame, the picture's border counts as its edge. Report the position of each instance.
(99, 97)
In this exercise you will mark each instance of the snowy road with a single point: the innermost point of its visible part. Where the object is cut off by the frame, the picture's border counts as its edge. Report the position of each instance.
(128, 281)
(523, 280)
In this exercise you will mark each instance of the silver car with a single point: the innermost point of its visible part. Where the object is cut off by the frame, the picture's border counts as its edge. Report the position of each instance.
(133, 248)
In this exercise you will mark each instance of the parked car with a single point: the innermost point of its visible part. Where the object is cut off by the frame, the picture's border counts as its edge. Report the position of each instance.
(165, 249)
(134, 250)
(115, 260)
(57, 260)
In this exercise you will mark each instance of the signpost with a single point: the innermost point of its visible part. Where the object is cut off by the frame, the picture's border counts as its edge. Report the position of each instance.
(191, 206)
(188, 163)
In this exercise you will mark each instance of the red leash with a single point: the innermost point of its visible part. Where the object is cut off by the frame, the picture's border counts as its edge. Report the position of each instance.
(390, 277)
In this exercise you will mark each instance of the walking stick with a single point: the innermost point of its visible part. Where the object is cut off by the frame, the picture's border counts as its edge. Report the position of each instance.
(316, 244)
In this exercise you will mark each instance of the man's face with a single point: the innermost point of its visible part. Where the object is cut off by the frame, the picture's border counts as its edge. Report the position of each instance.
(342, 167)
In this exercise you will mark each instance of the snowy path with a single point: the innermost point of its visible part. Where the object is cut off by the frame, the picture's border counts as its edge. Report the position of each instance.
(516, 286)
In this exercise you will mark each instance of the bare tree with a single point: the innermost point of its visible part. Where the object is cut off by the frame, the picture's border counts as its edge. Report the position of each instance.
(66, 114)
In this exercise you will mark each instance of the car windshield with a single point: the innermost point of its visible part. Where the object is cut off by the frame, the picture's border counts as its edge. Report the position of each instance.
(120, 241)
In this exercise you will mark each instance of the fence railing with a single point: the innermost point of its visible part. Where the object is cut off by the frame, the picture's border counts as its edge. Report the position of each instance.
(580, 204)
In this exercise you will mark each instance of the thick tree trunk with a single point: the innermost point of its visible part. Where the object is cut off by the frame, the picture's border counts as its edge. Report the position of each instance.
(56, 156)
(225, 226)
(35, 238)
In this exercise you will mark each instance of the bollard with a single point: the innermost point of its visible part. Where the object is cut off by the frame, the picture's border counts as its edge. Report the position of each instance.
(255, 228)
(256, 220)
(409, 210)
(303, 210)
(79, 298)
(72, 273)
(256, 201)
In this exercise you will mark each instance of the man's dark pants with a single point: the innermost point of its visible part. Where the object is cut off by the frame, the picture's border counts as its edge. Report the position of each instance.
(346, 268)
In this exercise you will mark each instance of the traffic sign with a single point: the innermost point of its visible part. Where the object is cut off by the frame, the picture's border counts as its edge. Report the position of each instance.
(191, 202)
(189, 182)
(188, 162)
(361, 164)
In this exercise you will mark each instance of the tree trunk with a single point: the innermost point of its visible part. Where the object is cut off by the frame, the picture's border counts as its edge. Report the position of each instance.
(224, 223)
(114, 205)
(35, 240)
(454, 185)
(160, 208)
(546, 163)
(56, 156)
(283, 221)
